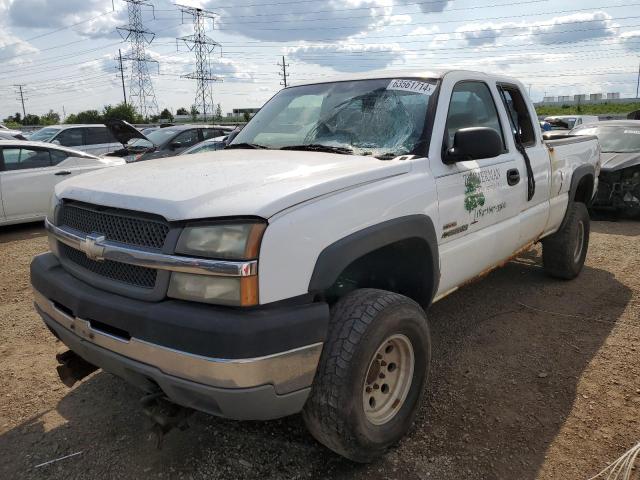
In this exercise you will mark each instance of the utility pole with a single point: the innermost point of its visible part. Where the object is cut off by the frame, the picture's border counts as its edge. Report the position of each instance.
(141, 94)
(121, 69)
(284, 73)
(203, 46)
(21, 93)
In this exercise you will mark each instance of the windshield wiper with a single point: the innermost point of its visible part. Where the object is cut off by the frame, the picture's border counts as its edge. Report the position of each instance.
(245, 145)
(317, 147)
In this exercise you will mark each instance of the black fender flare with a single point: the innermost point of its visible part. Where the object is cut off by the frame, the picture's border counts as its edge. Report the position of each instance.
(340, 254)
(578, 174)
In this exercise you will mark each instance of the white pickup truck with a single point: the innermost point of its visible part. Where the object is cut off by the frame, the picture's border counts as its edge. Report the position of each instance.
(291, 271)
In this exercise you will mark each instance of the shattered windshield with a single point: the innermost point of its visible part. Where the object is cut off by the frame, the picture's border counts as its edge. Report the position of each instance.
(381, 117)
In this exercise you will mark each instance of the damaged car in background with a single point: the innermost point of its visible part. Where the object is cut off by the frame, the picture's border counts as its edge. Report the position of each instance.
(159, 143)
(619, 179)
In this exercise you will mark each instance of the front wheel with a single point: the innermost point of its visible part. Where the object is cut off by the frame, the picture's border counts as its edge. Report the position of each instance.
(564, 252)
(371, 376)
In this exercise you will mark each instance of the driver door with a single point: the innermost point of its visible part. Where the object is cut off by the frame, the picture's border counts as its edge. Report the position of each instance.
(478, 205)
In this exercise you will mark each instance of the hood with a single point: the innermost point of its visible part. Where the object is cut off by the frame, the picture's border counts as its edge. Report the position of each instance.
(227, 182)
(617, 161)
(124, 131)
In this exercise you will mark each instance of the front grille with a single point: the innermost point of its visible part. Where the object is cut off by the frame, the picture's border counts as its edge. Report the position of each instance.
(120, 272)
(115, 225)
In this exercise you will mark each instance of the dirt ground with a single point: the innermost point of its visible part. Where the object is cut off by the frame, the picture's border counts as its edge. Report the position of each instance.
(532, 378)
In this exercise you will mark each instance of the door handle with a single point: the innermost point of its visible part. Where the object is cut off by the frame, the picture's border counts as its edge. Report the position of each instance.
(63, 172)
(513, 177)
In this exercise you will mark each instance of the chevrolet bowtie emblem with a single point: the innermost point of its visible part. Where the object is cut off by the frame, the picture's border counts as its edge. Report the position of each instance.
(91, 246)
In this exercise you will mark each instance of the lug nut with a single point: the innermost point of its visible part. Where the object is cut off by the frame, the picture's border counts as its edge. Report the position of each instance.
(376, 386)
(383, 363)
(368, 390)
(381, 375)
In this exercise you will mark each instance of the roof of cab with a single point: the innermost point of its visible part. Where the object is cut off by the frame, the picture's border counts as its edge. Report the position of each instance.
(376, 74)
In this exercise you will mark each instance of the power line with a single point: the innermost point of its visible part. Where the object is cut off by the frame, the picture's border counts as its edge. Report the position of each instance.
(202, 46)
(141, 94)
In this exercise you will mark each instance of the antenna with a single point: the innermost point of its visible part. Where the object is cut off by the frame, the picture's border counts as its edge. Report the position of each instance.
(203, 46)
(141, 94)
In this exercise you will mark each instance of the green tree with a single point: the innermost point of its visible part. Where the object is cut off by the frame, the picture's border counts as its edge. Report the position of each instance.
(121, 111)
(31, 119)
(166, 115)
(15, 119)
(194, 112)
(218, 112)
(182, 111)
(247, 116)
(50, 118)
(88, 116)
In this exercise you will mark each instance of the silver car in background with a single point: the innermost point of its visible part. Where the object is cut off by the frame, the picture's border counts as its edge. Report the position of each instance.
(91, 138)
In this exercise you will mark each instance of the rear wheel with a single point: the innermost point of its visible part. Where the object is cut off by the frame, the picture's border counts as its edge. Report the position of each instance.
(564, 252)
(371, 376)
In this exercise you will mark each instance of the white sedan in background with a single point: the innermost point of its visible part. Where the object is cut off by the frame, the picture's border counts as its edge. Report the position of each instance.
(29, 172)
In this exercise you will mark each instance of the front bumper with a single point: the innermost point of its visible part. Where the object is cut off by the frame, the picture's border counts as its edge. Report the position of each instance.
(153, 345)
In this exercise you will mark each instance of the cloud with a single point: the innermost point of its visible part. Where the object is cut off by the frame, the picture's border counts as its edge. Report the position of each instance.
(346, 57)
(574, 28)
(631, 40)
(282, 22)
(434, 6)
(12, 49)
(481, 36)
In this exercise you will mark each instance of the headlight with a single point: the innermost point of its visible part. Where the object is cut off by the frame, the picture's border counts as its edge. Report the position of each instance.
(225, 241)
(235, 291)
(238, 241)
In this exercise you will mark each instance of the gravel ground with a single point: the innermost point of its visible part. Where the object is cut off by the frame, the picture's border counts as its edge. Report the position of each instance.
(532, 378)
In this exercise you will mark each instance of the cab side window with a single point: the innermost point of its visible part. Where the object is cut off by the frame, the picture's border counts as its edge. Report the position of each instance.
(71, 137)
(471, 105)
(211, 133)
(25, 158)
(97, 135)
(519, 118)
(58, 156)
(188, 138)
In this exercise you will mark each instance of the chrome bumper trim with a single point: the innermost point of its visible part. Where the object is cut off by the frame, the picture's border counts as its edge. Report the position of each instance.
(286, 371)
(98, 248)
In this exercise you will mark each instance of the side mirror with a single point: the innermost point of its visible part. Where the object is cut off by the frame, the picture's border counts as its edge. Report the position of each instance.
(474, 143)
(175, 145)
(56, 142)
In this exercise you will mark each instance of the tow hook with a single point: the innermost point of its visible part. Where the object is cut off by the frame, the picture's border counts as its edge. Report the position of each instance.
(73, 367)
(165, 415)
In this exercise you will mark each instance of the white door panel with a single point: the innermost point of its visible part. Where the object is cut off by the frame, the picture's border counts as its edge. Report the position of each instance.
(27, 192)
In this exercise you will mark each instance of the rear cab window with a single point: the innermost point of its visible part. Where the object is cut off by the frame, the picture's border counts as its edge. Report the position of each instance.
(519, 118)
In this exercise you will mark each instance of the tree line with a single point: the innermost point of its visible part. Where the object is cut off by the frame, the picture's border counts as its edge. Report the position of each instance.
(121, 111)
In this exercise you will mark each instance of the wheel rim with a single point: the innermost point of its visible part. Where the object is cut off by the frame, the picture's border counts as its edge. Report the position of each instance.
(577, 253)
(388, 379)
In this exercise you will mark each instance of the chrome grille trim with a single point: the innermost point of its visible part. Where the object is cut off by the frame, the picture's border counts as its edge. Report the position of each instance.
(115, 225)
(101, 249)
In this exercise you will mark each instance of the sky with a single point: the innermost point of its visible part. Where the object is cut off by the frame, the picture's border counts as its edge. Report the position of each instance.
(63, 51)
